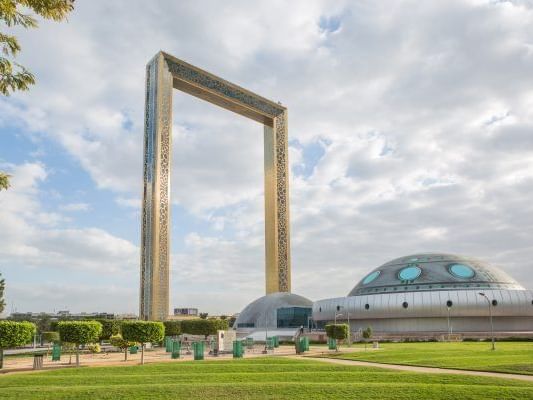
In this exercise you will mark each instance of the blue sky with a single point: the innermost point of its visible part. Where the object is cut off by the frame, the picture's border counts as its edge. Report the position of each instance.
(410, 131)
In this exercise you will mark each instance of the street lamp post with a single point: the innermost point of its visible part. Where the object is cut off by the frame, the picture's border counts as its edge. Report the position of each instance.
(265, 351)
(490, 318)
(449, 304)
(349, 328)
(335, 323)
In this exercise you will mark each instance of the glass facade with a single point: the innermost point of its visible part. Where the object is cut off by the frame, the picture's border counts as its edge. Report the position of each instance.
(246, 325)
(293, 317)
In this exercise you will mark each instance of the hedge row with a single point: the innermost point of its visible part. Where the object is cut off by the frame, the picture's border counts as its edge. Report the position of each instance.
(204, 327)
(172, 328)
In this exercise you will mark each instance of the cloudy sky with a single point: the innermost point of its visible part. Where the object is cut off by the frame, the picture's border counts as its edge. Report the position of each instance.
(410, 125)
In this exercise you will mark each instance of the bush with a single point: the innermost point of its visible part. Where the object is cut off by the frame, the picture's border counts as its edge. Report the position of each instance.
(13, 334)
(110, 327)
(50, 337)
(79, 332)
(172, 328)
(143, 332)
(94, 348)
(204, 327)
(338, 332)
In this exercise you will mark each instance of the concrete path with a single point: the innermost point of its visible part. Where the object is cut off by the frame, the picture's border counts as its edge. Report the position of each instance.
(412, 368)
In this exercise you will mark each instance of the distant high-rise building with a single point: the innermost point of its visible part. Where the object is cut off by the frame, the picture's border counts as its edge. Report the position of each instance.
(186, 311)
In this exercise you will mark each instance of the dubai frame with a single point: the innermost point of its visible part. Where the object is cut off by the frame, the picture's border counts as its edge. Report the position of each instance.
(163, 73)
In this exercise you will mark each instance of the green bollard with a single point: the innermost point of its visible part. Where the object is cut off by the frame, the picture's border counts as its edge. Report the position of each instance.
(168, 344)
(198, 350)
(176, 347)
(56, 352)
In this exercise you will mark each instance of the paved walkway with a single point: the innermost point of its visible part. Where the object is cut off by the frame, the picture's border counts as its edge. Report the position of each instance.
(412, 368)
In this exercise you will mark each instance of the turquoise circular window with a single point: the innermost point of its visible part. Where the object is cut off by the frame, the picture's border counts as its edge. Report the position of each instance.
(461, 271)
(409, 273)
(371, 277)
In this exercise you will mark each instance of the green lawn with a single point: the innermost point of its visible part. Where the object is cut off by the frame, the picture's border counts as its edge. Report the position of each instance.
(511, 357)
(259, 378)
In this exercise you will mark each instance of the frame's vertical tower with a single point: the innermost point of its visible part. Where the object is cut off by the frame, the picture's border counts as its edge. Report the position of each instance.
(163, 73)
(155, 240)
(277, 234)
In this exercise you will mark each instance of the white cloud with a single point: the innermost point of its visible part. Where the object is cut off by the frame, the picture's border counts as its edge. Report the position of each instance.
(36, 245)
(423, 113)
(75, 207)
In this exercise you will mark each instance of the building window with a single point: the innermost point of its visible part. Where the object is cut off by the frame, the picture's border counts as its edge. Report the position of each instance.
(371, 277)
(461, 271)
(293, 317)
(246, 325)
(409, 273)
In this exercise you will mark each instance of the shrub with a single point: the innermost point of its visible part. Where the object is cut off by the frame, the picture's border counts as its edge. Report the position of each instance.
(338, 331)
(13, 334)
(110, 327)
(204, 327)
(79, 332)
(172, 328)
(94, 348)
(121, 343)
(367, 334)
(143, 332)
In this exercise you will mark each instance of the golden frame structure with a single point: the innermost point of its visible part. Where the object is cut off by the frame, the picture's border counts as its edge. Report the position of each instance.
(163, 73)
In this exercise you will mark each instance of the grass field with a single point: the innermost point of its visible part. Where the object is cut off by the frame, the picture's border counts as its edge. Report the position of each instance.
(257, 378)
(510, 357)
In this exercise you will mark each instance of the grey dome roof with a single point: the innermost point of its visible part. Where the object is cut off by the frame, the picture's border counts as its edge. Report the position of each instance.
(264, 309)
(433, 271)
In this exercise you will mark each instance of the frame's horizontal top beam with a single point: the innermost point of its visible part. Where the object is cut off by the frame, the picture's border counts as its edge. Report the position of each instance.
(218, 91)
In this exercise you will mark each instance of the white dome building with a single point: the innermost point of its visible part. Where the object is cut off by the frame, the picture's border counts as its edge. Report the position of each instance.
(430, 294)
(276, 314)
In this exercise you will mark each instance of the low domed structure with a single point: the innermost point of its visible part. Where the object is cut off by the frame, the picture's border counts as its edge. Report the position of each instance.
(432, 293)
(274, 311)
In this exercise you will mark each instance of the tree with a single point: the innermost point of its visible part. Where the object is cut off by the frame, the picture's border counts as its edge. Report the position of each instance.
(4, 180)
(143, 332)
(14, 76)
(172, 328)
(204, 327)
(367, 334)
(13, 334)
(79, 333)
(43, 323)
(110, 327)
(203, 315)
(2, 288)
(50, 337)
(338, 331)
(121, 343)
